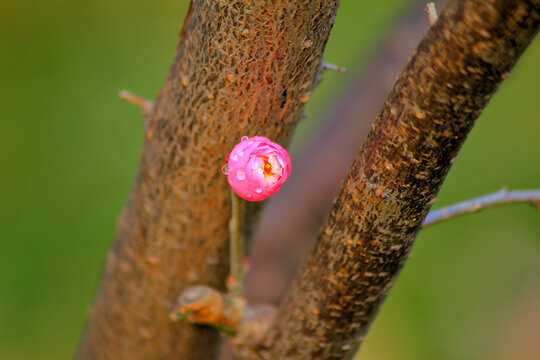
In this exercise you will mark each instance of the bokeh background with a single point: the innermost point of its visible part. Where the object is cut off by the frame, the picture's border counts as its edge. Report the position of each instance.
(69, 149)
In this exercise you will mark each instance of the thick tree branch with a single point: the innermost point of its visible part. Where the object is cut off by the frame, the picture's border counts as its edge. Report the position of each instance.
(242, 68)
(475, 205)
(396, 175)
(302, 205)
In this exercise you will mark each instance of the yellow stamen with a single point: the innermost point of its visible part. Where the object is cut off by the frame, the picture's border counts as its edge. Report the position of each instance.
(267, 168)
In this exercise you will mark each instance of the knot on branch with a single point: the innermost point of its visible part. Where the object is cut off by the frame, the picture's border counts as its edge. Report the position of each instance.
(228, 314)
(255, 324)
(206, 306)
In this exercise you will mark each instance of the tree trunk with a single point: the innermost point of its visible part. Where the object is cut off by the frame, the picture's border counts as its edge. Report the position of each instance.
(242, 68)
(396, 175)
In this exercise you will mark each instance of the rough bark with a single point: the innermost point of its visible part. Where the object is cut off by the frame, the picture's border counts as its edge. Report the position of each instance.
(303, 204)
(396, 175)
(242, 68)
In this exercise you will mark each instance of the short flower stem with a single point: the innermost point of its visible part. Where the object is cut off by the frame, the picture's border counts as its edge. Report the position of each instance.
(236, 279)
(474, 205)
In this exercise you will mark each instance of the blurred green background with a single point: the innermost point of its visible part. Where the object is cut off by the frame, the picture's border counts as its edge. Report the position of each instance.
(69, 149)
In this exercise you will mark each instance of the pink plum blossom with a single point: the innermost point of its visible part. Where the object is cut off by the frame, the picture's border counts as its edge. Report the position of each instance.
(257, 167)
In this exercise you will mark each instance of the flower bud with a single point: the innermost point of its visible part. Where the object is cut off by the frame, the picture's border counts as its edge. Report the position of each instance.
(257, 167)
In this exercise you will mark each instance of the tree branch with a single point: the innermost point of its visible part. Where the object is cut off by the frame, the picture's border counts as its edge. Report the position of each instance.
(242, 68)
(431, 12)
(144, 105)
(475, 205)
(398, 171)
(302, 205)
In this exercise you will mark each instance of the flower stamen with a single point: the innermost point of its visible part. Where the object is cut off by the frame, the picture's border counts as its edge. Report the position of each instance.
(267, 168)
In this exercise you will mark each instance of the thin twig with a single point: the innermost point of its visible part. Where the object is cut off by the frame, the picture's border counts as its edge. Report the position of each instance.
(236, 279)
(431, 12)
(204, 305)
(332, 67)
(475, 205)
(144, 105)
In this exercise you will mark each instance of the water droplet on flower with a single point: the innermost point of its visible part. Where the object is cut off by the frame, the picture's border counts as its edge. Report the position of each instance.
(240, 174)
(240, 153)
(248, 195)
(225, 169)
(244, 138)
(258, 191)
(235, 157)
